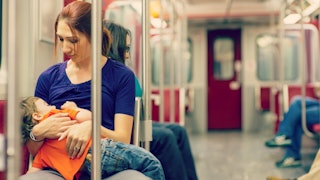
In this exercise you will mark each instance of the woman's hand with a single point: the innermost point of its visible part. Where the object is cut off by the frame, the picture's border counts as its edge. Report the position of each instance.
(78, 138)
(49, 128)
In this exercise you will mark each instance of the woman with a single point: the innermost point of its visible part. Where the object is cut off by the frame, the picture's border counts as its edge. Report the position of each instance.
(170, 142)
(71, 80)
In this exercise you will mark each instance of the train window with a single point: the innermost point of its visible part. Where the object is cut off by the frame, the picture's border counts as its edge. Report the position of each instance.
(160, 50)
(167, 50)
(223, 58)
(268, 57)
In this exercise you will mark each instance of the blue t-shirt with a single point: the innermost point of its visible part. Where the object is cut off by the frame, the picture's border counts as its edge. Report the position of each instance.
(118, 90)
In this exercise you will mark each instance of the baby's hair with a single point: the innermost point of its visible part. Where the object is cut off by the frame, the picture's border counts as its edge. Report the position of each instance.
(28, 107)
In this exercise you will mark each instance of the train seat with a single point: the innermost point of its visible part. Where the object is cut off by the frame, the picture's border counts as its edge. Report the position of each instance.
(167, 107)
(316, 128)
(265, 98)
(266, 93)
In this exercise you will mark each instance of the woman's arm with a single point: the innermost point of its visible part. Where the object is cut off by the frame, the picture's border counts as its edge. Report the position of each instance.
(122, 129)
(79, 134)
(49, 128)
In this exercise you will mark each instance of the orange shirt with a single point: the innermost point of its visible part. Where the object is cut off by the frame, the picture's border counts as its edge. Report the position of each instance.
(53, 153)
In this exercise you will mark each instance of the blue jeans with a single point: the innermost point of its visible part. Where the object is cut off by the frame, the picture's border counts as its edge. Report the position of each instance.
(291, 123)
(117, 156)
(170, 144)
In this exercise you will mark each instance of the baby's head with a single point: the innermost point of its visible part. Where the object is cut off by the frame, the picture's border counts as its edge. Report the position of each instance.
(32, 110)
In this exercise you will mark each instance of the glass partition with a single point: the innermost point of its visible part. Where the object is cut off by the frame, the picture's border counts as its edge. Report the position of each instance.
(268, 57)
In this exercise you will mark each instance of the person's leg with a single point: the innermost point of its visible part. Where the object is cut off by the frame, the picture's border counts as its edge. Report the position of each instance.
(164, 146)
(290, 122)
(40, 175)
(312, 117)
(290, 118)
(293, 116)
(117, 156)
(292, 157)
(185, 149)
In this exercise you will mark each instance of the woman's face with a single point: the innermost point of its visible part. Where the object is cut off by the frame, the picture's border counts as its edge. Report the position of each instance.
(127, 51)
(75, 44)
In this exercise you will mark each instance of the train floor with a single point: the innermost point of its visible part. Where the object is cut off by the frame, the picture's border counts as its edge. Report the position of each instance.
(234, 155)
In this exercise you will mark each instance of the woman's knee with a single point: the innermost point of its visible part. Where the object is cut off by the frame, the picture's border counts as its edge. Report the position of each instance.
(163, 136)
(179, 131)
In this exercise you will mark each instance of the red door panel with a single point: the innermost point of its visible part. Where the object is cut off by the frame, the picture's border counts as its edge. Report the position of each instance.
(224, 91)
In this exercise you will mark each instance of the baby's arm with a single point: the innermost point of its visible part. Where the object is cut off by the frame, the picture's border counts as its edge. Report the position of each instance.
(82, 115)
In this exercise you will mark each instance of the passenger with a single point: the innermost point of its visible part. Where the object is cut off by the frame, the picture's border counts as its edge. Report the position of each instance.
(53, 153)
(170, 143)
(290, 131)
(71, 80)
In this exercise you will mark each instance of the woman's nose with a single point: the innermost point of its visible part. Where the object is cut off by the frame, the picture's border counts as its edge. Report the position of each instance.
(66, 48)
(127, 55)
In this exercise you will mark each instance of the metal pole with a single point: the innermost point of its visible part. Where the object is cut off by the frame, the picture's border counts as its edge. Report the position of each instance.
(304, 61)
(96, 29)
(13, 126)
(161, 73)
(146, 73)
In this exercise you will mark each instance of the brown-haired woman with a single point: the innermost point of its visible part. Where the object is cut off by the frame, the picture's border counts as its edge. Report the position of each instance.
(71, 81)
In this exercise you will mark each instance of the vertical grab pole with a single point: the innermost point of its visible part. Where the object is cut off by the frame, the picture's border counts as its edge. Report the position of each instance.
(161, 73)
(147, 123)
(96, 29)
(13, 127)
(303, 76)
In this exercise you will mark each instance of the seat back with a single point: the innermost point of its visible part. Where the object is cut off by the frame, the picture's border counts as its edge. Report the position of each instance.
(135, 137)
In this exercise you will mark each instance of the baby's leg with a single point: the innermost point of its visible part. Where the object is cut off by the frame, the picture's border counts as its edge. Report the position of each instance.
(117, 156)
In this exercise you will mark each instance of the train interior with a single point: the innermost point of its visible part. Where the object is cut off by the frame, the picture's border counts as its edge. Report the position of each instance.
(225, 70)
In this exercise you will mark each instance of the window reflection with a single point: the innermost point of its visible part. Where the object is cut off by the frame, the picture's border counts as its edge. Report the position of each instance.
(268, 57)
(166, 49)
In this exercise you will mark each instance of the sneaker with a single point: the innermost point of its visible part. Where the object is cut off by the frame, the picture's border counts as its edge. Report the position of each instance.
(279, 141)
(288, 162)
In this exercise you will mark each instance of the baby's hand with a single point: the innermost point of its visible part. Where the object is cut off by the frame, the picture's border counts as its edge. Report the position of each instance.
(63, 135)
(69, 105)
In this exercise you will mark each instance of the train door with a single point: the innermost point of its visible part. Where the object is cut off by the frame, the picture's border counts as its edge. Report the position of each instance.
(224, 90)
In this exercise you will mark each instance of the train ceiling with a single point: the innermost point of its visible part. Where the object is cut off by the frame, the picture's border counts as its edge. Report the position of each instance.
(238, 11)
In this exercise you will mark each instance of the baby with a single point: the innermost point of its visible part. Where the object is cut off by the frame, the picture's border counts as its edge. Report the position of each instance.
(53, 154)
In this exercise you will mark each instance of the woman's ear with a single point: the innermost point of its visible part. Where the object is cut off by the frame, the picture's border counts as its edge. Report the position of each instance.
(36, 116)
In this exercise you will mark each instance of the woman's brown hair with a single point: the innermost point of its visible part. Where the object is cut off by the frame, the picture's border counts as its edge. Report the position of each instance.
(78, 17)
